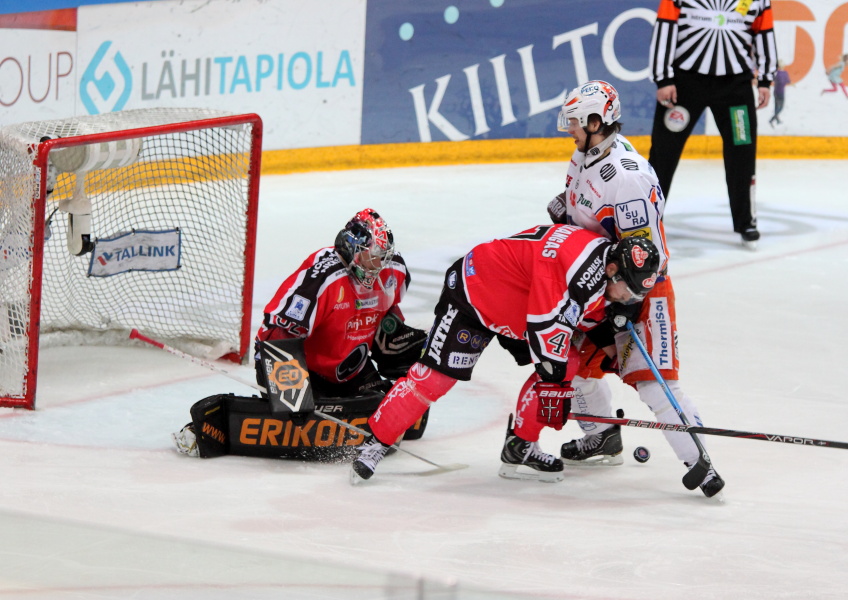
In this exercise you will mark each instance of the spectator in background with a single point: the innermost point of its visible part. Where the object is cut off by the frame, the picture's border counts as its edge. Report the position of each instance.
(834, 75)
(781, 80)
(705, 57)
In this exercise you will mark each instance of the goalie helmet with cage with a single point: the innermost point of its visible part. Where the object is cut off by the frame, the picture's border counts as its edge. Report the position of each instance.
(365, 245)
(638, 261)
(592, 98)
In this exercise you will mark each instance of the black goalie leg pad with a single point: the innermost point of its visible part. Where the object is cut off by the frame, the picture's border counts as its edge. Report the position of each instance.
(210, 419)
(248, 426)
(283, 364)
(258, 431)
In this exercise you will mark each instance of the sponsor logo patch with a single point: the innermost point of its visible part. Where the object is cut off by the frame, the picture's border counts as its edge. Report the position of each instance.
(469, 265)
(662, 345)
(607, 172)
(366, 303)
(462, 360)
(632, 214)
(136, 251)
(298, 307)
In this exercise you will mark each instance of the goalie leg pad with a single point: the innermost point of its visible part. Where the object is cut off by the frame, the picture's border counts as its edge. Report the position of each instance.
(247, 426)
(209, 417)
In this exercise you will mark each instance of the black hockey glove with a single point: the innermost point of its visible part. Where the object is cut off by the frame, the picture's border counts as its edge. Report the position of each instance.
(550, 371)
(396, 347)
(619, 314)
(557, 207)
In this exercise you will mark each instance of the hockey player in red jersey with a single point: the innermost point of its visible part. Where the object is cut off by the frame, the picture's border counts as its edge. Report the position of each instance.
(539, 286)
(342, 301)
(340, 310)
(612, 190)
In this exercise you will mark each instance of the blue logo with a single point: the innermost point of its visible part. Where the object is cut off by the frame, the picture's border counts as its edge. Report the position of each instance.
(99, 90)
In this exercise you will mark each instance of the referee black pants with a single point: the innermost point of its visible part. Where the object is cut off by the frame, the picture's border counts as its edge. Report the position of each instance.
(731, 101)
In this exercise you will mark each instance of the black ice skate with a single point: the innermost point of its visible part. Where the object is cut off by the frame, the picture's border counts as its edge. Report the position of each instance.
(712, 484)
(595, 449)
(534, 464)
(750, 237)
(369, 456)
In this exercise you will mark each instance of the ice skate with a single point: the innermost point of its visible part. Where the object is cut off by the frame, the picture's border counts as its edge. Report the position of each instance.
(528, 457)
(712, 485)
(750, 237)
(596, 449)
(369, 456)
(186, 441)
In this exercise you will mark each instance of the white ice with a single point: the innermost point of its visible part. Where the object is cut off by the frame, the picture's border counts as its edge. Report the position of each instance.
(95, 502)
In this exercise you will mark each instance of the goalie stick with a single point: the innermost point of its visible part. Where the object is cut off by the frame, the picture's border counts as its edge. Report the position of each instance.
(747, 435)
(697, 473)
(136, 335)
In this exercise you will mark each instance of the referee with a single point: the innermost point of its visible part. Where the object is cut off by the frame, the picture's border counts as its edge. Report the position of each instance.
(706, 53)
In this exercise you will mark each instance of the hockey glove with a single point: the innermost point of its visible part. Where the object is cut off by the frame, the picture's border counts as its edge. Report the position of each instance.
(609, 364)
(396, 347)
(557, 207)
(554, 403)
(553, 372)
(619, 314)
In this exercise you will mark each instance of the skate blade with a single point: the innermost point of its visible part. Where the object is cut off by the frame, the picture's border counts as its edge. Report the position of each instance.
(508, 471)
(717, 499)
(597, 461)
(354, 477)
(750, 245)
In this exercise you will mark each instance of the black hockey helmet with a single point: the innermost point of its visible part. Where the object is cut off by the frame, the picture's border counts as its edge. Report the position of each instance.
(365, 245)
(638, 261)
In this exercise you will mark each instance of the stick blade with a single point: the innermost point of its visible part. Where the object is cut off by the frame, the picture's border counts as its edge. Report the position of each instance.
(697, 473)
(440, 470)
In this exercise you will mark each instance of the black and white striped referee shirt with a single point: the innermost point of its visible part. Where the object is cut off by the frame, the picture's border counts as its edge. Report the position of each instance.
(713, 37)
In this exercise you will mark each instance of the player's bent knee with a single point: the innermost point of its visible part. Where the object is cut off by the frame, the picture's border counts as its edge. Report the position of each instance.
(652, 394)
(428, 385)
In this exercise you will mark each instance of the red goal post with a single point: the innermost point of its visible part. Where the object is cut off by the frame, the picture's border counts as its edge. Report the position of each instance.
(142, 219)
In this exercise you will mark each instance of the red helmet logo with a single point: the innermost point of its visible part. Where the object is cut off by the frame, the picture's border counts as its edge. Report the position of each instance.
(649, 282)
(639, 256)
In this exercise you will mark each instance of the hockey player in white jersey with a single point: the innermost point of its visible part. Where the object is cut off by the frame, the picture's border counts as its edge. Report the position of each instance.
(612, 190)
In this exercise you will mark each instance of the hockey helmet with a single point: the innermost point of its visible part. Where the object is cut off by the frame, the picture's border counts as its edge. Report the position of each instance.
(592, 98)
(638, 261)
(365, 245)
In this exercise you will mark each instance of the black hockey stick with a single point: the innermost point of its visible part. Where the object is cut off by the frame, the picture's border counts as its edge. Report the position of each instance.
(135, 335)
(746, 435)
(697, 473)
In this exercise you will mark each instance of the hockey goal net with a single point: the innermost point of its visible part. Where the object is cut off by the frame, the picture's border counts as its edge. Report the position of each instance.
(140, 219)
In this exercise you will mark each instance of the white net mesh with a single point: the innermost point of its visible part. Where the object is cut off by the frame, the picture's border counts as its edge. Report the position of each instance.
(194, 182)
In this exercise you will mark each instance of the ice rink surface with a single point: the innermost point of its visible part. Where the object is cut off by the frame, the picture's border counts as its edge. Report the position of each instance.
(95, 502)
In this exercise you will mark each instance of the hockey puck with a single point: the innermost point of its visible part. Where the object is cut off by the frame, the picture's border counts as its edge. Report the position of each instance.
(676, 119)
(641, 454)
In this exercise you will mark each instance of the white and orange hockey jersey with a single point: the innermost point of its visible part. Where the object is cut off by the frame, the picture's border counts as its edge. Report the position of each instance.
(617, 195)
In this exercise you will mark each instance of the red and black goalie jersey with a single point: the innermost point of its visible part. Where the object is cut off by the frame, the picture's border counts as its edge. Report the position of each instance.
(337, 318)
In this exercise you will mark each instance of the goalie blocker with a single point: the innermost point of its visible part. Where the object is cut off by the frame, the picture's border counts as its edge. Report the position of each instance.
(283, 423)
